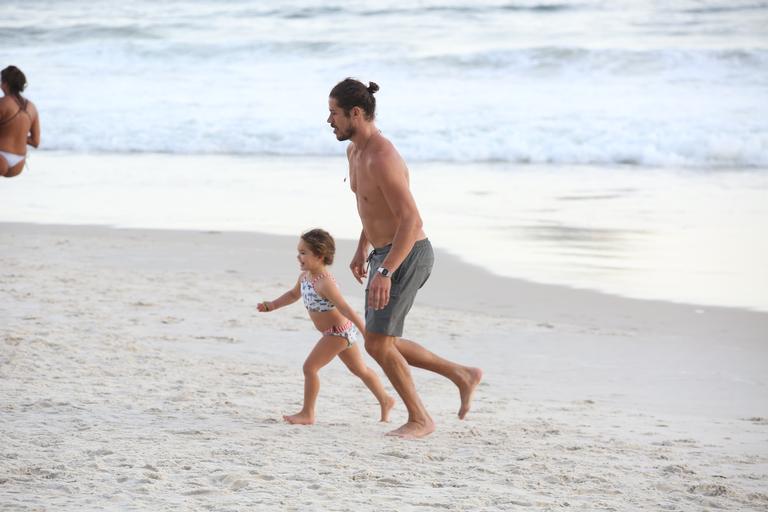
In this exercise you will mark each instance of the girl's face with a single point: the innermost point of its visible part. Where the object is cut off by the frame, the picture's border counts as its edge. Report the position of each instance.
(307, 259)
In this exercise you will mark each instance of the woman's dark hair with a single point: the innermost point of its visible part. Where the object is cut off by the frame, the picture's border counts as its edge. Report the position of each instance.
(350, 93)
(15, 79)
(321, 243)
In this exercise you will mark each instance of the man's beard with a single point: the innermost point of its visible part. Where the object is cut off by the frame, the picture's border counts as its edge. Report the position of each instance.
(346, 135)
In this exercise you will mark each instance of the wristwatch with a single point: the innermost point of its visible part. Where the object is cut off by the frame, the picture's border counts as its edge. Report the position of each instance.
(383, 271)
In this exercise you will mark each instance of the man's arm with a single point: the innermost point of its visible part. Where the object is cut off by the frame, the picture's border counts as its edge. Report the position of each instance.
(392, 179)
(393, 183)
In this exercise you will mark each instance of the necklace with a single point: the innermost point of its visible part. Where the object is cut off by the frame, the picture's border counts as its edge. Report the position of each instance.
(369, 140)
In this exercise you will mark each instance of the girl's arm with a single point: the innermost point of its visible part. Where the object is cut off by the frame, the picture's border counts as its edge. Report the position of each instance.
(288, 297)
(358, 261)
(328, 289)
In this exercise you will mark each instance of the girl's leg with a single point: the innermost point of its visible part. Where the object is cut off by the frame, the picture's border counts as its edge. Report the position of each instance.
(326, 349)
(354, 361)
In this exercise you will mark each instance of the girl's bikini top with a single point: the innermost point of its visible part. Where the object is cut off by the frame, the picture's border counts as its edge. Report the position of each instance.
(312, 300)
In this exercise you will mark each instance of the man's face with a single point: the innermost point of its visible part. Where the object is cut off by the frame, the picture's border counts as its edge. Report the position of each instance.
(340, 121)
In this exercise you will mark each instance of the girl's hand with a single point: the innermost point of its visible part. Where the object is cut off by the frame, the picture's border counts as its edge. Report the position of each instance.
(265, 307)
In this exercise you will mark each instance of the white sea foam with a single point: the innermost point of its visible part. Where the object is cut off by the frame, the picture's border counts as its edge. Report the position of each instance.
(540, 82)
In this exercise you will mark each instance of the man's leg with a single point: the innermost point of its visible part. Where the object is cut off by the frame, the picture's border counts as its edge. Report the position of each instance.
(384, 350)
(353, 358)
(466, 378)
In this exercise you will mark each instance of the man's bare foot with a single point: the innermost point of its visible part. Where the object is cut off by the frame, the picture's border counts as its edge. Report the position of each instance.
(414, 430)
(387, 406)
(301, 418)
(467, 390)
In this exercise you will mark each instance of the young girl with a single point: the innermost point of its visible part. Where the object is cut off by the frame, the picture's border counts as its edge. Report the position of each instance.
(333, 317)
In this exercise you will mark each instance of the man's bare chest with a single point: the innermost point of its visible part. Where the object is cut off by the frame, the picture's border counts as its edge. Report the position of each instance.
(364, 187)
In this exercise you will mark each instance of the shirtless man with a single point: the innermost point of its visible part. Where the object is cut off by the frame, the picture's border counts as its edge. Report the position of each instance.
(19, 123)
(401, 260)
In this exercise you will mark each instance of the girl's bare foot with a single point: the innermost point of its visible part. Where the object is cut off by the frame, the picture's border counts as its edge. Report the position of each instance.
(467, 390)
(414, 430)
(300, 418)
(387, 406)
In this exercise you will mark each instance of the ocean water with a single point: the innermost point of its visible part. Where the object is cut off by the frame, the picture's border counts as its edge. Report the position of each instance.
(677, 83)
(620, 146)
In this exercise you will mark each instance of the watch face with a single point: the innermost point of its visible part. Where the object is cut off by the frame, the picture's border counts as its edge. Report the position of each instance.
(383, 271)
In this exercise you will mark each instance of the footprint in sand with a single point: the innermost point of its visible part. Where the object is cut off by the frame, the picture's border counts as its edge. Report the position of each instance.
(364, 475)
(222, 339)
(677, 469)
(199, 492)
(239, 484)
(13, 340)
(397, 454)
(709, 489)
(390, 482)
(233, 482)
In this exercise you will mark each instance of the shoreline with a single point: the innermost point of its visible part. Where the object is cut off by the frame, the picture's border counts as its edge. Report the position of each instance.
(481, 278)
(620, 231)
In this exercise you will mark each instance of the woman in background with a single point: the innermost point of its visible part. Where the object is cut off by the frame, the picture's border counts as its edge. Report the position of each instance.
(19, 122)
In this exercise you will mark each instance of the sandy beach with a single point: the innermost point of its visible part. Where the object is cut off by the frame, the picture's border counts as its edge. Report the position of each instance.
(137, 375)
(592, 175)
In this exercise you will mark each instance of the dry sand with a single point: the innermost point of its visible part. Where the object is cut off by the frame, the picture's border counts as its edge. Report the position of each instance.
(136, 374)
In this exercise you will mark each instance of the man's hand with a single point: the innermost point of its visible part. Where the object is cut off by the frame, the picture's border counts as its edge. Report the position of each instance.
(378, 292)
(358, 267)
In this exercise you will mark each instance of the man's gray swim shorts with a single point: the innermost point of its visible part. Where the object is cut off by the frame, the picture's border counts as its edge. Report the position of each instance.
(406, 281)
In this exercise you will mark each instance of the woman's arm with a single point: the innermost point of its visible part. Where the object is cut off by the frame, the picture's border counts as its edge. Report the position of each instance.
(33, 139)
(285, 299)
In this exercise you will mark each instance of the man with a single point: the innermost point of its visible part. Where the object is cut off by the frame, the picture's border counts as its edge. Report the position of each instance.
(402, 257)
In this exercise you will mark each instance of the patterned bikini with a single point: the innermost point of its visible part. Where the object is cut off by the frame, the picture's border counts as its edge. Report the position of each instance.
(314, 302)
